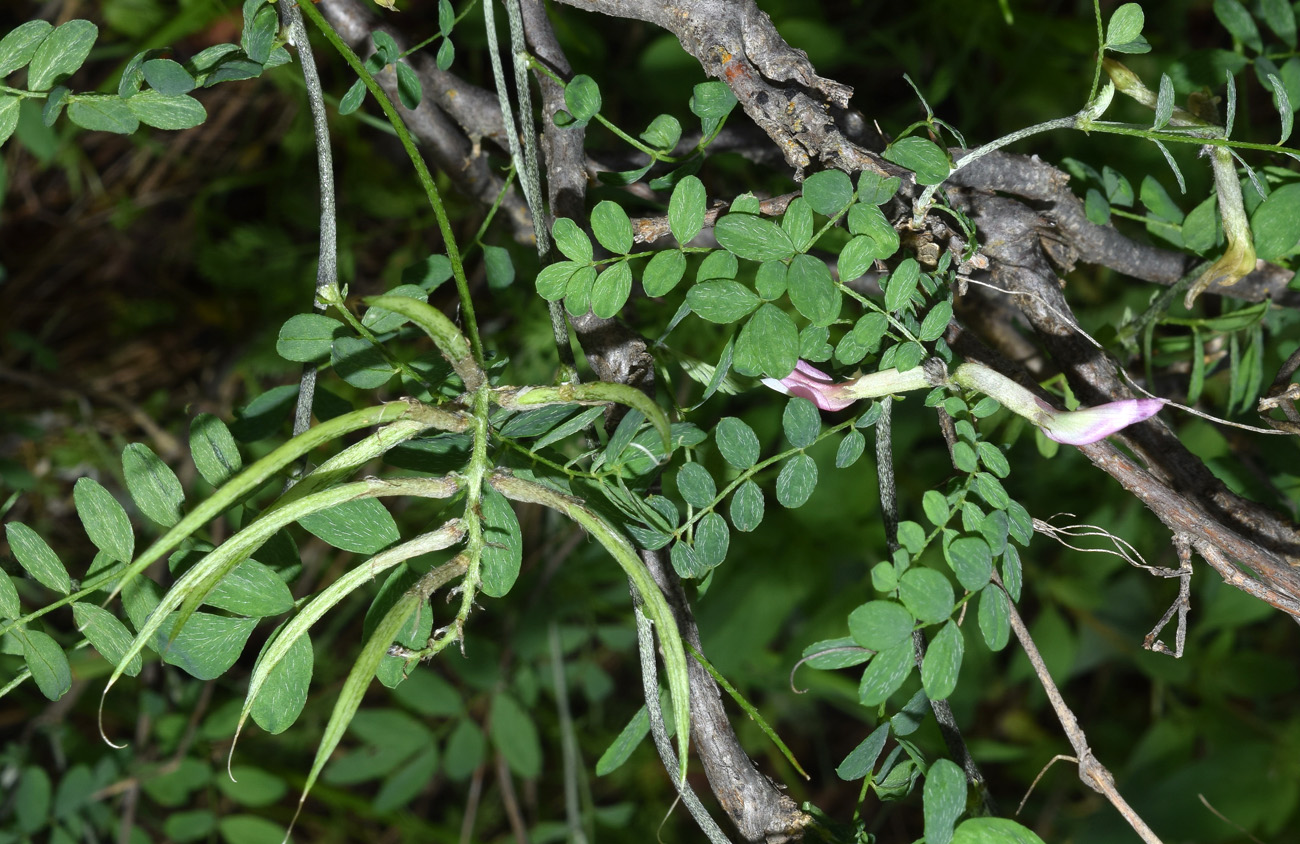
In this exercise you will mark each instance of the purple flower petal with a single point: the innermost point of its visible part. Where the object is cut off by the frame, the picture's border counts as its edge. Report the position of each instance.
(1090, 424)
(809, 382)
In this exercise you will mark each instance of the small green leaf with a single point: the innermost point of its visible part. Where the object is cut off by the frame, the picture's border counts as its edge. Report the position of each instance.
(945, 797)
(1164, 102)
(901, 285)
(1238, 22)
(927, 594)
(768, 344)
(504, 553)
(886, 672)
(105, 520)
(515, 736)
(610, 290)
(9, 604)
(722, 301)
(553, 280)
(797, 222)
(801, 422)
(363, 526)
(971, 560)
(876, 189)
(747, 507)
(629, 738)
(167, 77)
(582, 98)
(753, 238)
(307, 337)
(611, 226)
(153, 485)
(353, 99)
(251, 589)
(942, 662)
(880, 625)
(813, 291)
(686, 209)
(213, 449)
(465, 751)
(1125, 25)
(284, 692)
(712, 538)
(663, 272)
(796, 482)
(851, 448)
(718, 264)
(911, 536)
(572, 241)
(260, 28)
(1280, 17)
(360, 362)
(106, 634)
(922, 157)
(696, 485)
(104, 113)
(663, 133)
(991, 490)
(10, 108)
(1276, 223)
(18, 47)
(993, 831)
(38, 559)
(936, 508)
(712, 99)
(935, 322)
(409, 89)
(61, 53)
(994, 617)
(1155, 197)
(863, 758)
(380, 320)
(47, 662)
(828, 192)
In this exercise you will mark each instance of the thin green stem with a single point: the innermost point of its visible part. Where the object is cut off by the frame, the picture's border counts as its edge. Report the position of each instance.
(1101, 51)
(421, 171)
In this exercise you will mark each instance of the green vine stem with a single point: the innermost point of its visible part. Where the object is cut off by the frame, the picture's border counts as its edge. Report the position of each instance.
(653, 601)
(421, 171)
(450, 342)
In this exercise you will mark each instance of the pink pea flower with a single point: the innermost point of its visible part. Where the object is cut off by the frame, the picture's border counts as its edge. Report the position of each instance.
(809, 382)
(1090, 424)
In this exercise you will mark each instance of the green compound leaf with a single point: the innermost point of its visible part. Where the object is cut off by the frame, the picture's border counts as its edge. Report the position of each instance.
(994, 617)
(167, 77)
(686, 209)
(47, 662)
(886, 672)
(696, 485)
(663, 272)
(747, 507)
(801, 422)
(768, 344)
(105, 520)
(61, 53)
(813, 291)
(945, 800)
(798, 479)
(213, 449)
(363, 526)
(38, 559)
(582, 98)
(106, 634)
(828, 192)
(18, 47)
(922, 157)
(942, 662)
(572, 241)
(880, 625)
(753, 238)
(515, 736)
(927, 594)
(103, 113)
(723, 301)
(610, 290)
(611, 226)
(153, 485)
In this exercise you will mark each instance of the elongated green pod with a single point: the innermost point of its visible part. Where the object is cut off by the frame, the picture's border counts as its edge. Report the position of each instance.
(653, 601)
(597, 392)
(444, 537)
(363, 670)
(208, 572)
(453, 345)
